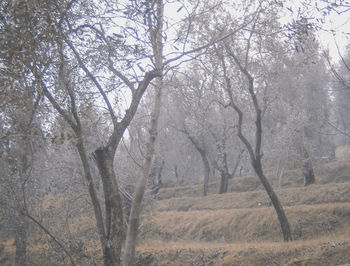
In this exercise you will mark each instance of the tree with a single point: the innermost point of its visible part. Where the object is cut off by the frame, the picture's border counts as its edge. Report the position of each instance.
(341, 93)
(191, 117)
(156, 37)
(252, 54)
(78, 53)
(63, 39)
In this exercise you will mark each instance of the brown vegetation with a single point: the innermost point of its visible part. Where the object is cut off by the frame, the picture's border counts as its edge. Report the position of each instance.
(241, 227)
(235, 228)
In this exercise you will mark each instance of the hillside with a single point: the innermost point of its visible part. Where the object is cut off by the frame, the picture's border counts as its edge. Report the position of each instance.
(240, 227)
(181, 227)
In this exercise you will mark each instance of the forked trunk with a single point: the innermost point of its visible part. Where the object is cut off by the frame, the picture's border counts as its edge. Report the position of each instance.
(225, 175)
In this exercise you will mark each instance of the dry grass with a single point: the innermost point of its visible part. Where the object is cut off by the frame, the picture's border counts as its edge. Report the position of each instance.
(323, 251)
(332, 172)
(253, 224)
(235, 228)
(314, 194)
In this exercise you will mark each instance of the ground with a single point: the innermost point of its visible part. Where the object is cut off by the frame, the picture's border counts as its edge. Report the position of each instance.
(181, 227)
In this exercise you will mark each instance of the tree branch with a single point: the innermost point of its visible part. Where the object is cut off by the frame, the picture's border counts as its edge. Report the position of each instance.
(90, 75)
(58, 108)
(206, 45)
(254, 99)
(338, 129)
(228, 89)
(26, 214)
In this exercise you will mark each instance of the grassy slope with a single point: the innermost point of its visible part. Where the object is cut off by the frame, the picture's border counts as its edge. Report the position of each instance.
(241, 227)
(313, 252)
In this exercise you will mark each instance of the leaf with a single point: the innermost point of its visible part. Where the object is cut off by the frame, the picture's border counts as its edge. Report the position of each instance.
(140, 67)
(118, 35)
(179, 9)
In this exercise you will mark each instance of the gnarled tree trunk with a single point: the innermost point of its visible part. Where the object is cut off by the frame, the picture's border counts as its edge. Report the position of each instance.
(113, 206)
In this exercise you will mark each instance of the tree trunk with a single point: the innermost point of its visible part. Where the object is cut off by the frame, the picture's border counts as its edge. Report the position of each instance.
(206, 173)
(180, 182)
(134, 219)
(308, 172)
(223, 182)
(21, 245)
(113, 206)
(225, 175)
(132, 231)
(93, 194)
(255, 154)
(205, 161)
(159, 175)
(285, 227)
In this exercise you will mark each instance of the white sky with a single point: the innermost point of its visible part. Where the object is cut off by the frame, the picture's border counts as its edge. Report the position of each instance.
(341, 25)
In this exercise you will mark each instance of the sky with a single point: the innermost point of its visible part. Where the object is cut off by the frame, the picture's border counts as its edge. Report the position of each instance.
(341, 25)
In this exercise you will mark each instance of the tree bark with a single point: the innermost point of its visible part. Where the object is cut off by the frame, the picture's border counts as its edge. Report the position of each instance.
(308, 172)
(21, 245)
(285, 227)
(132, 231)
(205, 161)
(92, 192)
(307, 169)
(224, 172)
(113, 207)
(223, 182)
(206, 173)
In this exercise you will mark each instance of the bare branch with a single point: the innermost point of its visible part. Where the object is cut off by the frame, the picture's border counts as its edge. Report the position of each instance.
(341, 56)
(335, 73)
(130, 155)
(26, 214)
(67, 86)
(338, 129)
(90, 75)
(254, 99)
(110, 62)
(58, 108)
(228, 89)
(204, 46)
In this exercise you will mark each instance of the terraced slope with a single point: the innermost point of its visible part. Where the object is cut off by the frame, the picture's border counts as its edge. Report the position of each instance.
(240, 227)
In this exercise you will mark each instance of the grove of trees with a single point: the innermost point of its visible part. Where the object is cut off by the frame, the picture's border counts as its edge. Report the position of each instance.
(103, 103)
